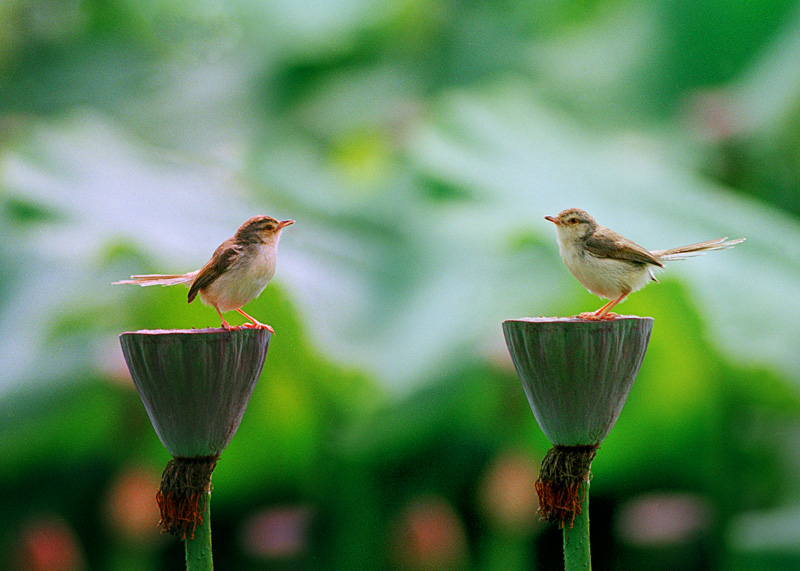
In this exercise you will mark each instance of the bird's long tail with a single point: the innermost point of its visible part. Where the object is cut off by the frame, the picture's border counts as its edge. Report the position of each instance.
(159, 279)
(695, 249)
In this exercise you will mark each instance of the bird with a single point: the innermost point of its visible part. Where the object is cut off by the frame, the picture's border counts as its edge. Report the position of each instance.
(237, 273)
(609, 265)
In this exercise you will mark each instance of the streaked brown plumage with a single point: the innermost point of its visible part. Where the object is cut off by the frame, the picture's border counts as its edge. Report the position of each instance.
(608, 264)
(237, 273)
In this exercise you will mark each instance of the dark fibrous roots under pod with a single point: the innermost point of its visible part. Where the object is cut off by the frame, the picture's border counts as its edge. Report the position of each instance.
(185, 485)
(564, 470)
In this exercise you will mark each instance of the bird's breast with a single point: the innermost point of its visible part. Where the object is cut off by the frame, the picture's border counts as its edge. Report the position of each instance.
(605, 277)
(243, 281)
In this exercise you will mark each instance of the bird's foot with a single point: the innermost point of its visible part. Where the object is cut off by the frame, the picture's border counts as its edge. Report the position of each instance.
(258, 325)
(255, 323)
(594, 316)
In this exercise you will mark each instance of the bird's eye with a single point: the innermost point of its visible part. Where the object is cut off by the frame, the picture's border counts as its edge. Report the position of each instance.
(572, 221)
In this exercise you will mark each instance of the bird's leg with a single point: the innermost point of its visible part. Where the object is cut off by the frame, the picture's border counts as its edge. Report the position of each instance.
(225, 324)
(607, 307)
(603, 312)
(256, 323)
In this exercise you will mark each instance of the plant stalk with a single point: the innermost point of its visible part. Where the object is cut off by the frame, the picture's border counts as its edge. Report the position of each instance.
(577, 555)
(198, 546)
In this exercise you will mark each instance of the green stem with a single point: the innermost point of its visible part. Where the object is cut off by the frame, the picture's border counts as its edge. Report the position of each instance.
(577, 555)
(198, 548)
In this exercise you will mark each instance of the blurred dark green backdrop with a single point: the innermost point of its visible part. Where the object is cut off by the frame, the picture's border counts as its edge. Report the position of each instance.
(418, 144)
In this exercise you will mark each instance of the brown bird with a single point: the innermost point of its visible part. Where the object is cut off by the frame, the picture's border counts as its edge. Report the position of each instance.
(608, 264)
(237, 273)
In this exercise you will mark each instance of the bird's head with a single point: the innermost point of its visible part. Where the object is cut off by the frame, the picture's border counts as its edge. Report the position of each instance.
(261, 229)
(573, 223)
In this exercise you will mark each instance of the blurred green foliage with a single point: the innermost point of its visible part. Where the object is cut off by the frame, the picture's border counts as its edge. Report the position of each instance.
(418, 145)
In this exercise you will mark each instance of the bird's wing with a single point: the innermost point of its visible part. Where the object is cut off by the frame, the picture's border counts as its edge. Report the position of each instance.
(222, 259)
(608, 244)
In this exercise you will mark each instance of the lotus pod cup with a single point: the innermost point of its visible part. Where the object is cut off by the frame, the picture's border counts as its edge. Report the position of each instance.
(576, 374)
(195, 386)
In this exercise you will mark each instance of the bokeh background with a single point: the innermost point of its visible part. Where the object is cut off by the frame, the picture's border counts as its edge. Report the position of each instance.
(418, 144)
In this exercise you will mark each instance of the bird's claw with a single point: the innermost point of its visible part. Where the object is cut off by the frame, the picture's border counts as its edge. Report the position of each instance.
(258, 325)
(594, 316)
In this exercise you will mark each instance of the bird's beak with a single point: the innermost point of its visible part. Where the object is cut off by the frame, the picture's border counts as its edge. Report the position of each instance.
(552, 219)
(284, 223)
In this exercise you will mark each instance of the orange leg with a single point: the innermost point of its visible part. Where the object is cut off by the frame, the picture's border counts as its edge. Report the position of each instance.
(225, 324)
(256, 323)
(603, 312)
